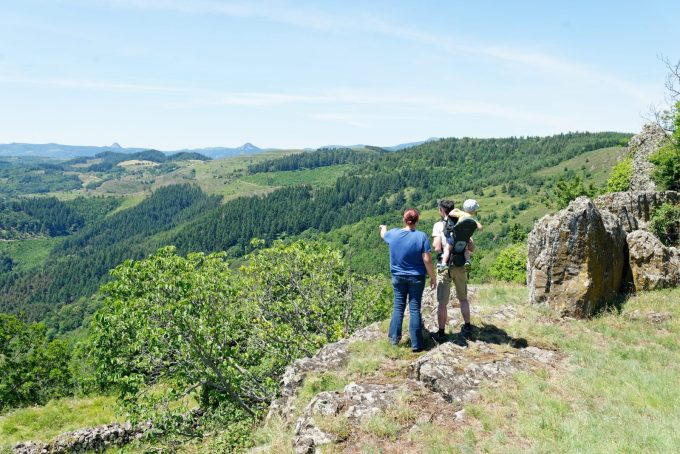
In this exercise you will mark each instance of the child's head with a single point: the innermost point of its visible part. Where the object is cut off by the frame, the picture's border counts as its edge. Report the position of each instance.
(470, 206)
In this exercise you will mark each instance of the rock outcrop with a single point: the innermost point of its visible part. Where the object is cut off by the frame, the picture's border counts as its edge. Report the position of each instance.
(576, 259)
(642, 146)
(433, 386)
(97, 439)
(634, 209)
(653, 265)
(331, 356)
(355, 403)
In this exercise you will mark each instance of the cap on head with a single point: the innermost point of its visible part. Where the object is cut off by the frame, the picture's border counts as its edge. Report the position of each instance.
(470, 206)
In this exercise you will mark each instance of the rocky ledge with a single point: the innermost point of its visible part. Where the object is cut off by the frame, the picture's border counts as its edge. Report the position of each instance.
(436, 384)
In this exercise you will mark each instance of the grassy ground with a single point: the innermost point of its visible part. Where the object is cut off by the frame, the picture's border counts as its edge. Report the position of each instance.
(57, 417)
(618, 392)
(321, 176)
(598, 163)
(28, 254)
(614, 391)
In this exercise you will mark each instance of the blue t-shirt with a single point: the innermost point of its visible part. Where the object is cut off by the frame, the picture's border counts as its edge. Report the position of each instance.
(406, 251)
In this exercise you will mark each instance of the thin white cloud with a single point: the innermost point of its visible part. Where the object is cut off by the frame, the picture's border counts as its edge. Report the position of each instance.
(418, 102)
(294, 14)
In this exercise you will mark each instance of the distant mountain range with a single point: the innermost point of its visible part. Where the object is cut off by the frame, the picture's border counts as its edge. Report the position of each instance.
(55, 150)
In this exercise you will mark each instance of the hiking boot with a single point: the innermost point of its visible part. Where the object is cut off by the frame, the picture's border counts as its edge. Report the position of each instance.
(439, 337)
(466, 329)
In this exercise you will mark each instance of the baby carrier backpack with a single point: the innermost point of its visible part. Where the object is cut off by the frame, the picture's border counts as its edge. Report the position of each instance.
(459, 232)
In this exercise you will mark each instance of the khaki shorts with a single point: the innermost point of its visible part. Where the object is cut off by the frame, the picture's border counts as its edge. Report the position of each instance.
(458, 275)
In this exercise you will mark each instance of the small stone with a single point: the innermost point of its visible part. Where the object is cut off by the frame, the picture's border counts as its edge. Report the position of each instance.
(459, 416)
(424, 418)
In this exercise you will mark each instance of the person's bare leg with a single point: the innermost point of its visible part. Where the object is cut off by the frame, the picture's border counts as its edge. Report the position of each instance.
(465, 310)
(442, 302)
(442, 315)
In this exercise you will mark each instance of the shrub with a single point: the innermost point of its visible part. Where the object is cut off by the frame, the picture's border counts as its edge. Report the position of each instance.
(667, 158)
(511, 264)
(667, 170)
(620, 177)
(33, 369)
(665, 224)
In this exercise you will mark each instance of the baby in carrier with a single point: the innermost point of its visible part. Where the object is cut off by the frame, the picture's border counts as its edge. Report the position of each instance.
(470, 207)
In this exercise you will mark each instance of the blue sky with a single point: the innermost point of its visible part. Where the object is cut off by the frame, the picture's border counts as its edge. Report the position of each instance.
(173, 74)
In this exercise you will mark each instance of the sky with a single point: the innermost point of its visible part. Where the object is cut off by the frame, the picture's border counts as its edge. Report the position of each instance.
(173, 74)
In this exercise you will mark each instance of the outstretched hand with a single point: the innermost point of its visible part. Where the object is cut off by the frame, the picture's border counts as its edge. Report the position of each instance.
(433, 284)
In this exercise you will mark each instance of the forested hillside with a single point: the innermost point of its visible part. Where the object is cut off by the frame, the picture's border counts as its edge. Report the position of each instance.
(77, 266)
(386, 183)
(377, 187)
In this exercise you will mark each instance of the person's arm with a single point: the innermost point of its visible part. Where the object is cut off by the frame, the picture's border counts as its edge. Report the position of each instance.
(479, 226)
(427, 260)
(383, 230)
(456, 213)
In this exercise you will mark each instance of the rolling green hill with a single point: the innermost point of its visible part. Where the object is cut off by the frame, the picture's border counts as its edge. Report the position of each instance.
(338, 195)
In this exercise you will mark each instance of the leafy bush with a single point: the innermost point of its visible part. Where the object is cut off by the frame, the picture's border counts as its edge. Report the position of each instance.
(665, 224)
(667, 170)
(667, 158)
(511, 264)
(179, 337)
(33, 369)
(620, 177)
(568, 189)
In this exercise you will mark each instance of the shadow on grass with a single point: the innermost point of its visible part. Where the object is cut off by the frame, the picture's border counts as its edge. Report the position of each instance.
(491, 334)
(615, 305)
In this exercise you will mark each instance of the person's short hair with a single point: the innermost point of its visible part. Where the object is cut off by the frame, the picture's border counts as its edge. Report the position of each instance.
(411, 216)
(446, 205)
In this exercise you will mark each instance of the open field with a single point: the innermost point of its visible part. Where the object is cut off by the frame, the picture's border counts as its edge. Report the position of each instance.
(57, 417)
(29, 253)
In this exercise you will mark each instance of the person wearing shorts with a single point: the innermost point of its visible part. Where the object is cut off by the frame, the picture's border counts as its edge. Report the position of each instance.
(455, 275)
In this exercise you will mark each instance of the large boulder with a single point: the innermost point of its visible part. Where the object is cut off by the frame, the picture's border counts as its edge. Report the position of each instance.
(652, 264)
(576, 259)
(634, 209)
(642, 146)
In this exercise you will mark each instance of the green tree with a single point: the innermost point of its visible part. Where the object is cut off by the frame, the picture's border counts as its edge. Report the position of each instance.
(567, 189)
(667, 159)
(33, 369)
(665, 224)
(176, 332)
(511, 264)
(620, 177)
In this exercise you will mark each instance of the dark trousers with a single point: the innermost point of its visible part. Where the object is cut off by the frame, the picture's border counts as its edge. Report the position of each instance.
(407, 288)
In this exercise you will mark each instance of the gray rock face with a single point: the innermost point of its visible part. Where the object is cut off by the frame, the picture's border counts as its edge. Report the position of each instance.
(331, 356)
(643, 145)
(576, 259)
(634, 209)
(457, 372)
(96, 439)
(355, 402)
(653, 265)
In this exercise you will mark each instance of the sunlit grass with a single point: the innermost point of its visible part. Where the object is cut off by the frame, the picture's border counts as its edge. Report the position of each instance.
(58, 416)
(617, 393)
